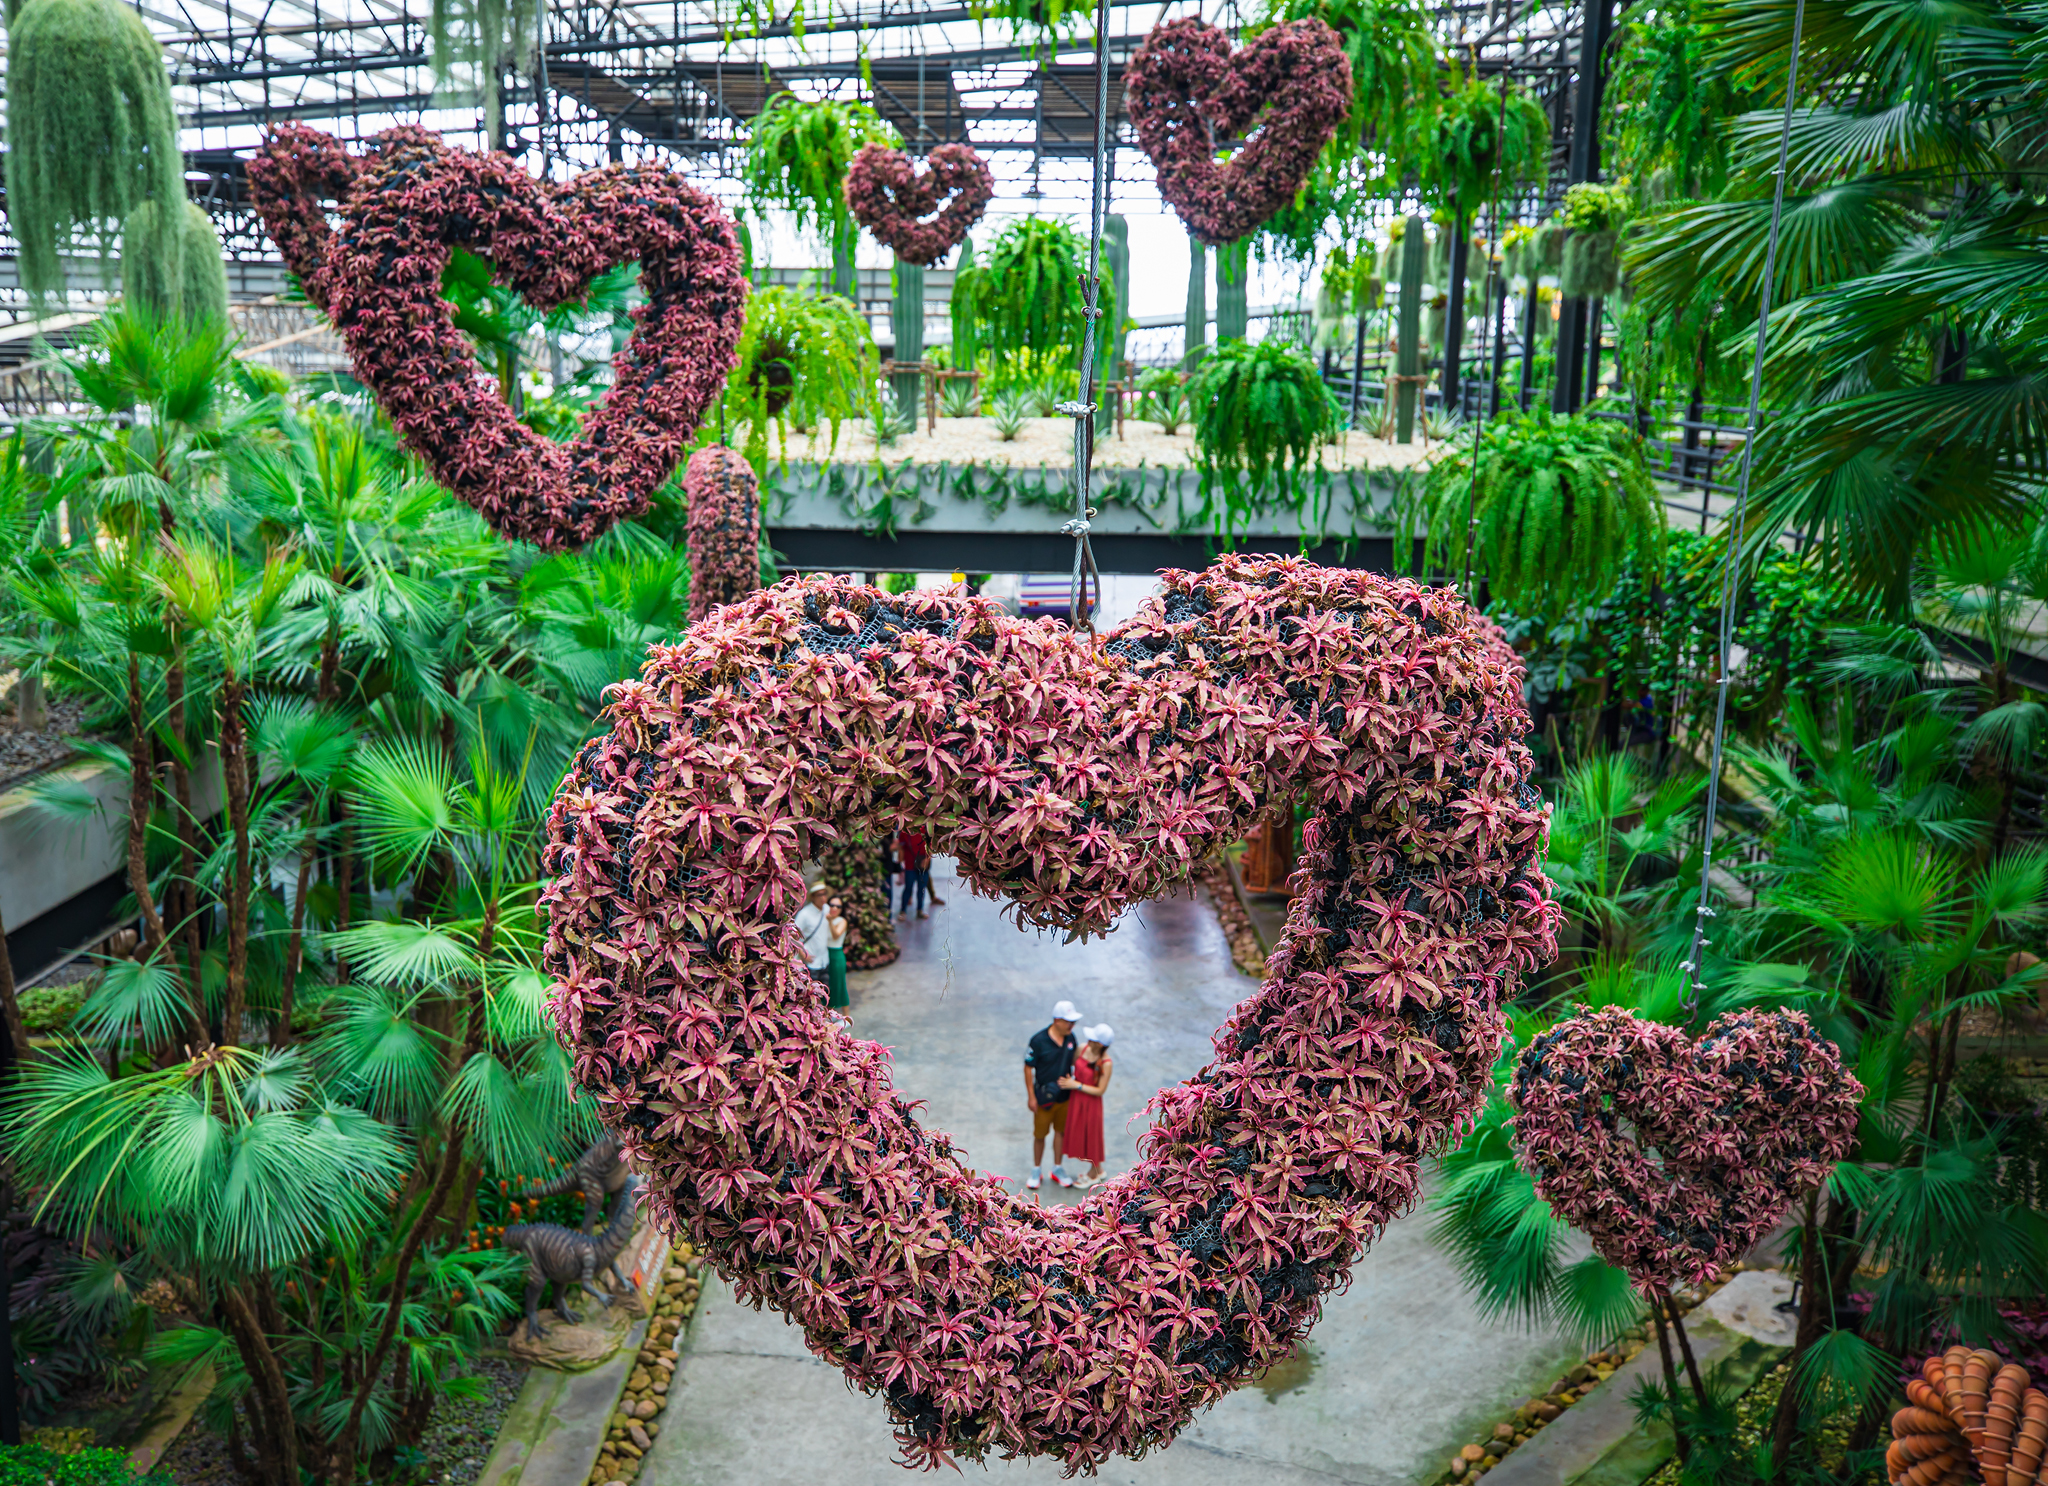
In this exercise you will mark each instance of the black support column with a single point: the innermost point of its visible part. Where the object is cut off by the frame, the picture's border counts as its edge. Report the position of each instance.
(1584, 165)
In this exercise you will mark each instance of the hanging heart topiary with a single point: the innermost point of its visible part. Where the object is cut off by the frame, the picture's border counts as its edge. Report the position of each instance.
(405, 206)
(888, 196)
(1076, 777)
(1189, 97)
(723, 533)
(1674, 1156)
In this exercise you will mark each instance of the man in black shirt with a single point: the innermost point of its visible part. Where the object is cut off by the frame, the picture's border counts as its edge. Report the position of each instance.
(1048, 1059)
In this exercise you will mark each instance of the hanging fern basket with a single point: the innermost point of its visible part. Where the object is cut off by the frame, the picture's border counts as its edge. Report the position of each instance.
(91, 133)
(1592, 265)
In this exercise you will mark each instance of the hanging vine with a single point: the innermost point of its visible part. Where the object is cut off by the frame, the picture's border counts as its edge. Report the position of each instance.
(193, 283)
(1027, 296)
(489, 37)
(91, 136)
(805, 361)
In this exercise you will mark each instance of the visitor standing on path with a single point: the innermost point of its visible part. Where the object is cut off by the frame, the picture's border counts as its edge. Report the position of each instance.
(1048, 1060)
(914, 853)
(814, 922)
(835, 970)
(1085, 1087)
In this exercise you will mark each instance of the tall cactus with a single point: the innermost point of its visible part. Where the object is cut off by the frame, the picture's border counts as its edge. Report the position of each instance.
(906, 317)
(966, 328)
(1110, 334)
(1233, 272)
(1197, 332)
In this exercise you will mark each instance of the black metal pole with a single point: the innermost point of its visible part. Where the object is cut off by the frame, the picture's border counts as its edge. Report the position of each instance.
(1583, 165)
(1454, 313)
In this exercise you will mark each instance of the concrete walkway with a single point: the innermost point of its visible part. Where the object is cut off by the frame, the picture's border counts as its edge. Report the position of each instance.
(1396, 1375)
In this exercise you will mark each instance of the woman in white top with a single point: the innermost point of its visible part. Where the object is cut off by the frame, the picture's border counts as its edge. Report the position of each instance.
(835, 970)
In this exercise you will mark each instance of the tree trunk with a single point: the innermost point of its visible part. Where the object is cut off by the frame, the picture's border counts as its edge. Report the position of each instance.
(295, 945)
(277, 1442)
(394, 1306)
(10, 1004)
(234, 761)
(188, 848)
(1785, 1426)
(141, 791)
(1692, 1367)
(1670, 1376)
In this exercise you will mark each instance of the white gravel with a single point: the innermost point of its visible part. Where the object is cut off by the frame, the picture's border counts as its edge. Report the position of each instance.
(1050, 441)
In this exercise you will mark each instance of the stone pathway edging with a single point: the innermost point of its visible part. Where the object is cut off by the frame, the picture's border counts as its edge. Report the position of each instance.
(175, 1413)
(553, 1432)
(1598, 1441)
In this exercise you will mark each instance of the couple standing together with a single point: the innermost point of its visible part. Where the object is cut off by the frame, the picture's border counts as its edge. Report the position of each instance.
(1064, 1081)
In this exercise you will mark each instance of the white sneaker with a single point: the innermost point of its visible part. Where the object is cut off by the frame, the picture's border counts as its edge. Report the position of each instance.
(1061, 1179)
(1031, 1184)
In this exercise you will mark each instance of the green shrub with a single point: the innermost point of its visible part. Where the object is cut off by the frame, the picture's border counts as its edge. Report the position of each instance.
(1462, 145)
(805, 360)
(1027, 295)
(50, 1008)
(37, 1465)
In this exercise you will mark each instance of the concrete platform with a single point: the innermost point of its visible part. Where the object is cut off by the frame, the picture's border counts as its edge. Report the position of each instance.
(1397, 1374)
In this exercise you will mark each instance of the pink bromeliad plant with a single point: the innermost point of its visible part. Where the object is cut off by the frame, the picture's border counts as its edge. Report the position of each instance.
(724, 529)
(405, 205)
(1285, 91)
(1076, 777)
(1674, 1156)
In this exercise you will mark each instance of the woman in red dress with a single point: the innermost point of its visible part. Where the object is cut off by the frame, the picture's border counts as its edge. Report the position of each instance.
(1085, 1088)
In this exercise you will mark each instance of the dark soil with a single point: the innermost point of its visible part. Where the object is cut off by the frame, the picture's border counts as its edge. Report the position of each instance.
(458, 1439)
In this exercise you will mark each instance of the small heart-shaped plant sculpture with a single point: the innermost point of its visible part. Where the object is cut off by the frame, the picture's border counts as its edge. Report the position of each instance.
(1676, 1156)
(405, 206)
(1189, 97)
(1075, 776)
(724, 528)
(887, 196)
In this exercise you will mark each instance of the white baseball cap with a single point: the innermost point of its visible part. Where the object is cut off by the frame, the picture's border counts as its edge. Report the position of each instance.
(1103, 1035)
(1066, 1011)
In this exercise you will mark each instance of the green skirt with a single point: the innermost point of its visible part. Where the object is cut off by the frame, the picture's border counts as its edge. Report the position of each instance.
(835, 980)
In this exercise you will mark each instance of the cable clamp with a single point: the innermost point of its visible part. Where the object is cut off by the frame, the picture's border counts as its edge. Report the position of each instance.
(1076, 409)
(1075, 528)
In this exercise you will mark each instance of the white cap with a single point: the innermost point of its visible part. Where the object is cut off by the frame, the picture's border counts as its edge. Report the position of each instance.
(1103, 1035)
(1066, 1011)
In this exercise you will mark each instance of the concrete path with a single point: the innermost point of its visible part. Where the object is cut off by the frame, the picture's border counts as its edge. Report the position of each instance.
(1396, 1375)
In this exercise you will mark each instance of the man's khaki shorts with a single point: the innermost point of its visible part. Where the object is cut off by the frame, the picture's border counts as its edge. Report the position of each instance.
(1049, 1117)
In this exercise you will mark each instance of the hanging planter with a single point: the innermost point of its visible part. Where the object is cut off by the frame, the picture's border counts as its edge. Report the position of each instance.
(1675, 1156)
(1466, 155)
(1284, 92)
(407, 204)
(1559, 504)
(193, 285)
(822, 711)
(1594, 216)
(903, 209)
(91, 136)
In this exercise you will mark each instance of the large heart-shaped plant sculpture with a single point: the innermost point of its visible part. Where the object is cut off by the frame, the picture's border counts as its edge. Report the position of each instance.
(406, 205)
(1076, 777)
(1676, 1156)
(887, 196)
(1287, 89)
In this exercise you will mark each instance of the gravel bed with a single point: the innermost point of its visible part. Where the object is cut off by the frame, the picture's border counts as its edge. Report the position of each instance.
(25, 753)
(1050, 441)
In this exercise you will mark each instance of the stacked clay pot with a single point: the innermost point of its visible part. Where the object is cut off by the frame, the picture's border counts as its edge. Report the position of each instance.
(1971, 1417)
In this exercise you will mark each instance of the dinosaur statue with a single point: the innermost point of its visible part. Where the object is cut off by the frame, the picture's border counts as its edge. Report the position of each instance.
(598, 1173)
(567, 1257)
